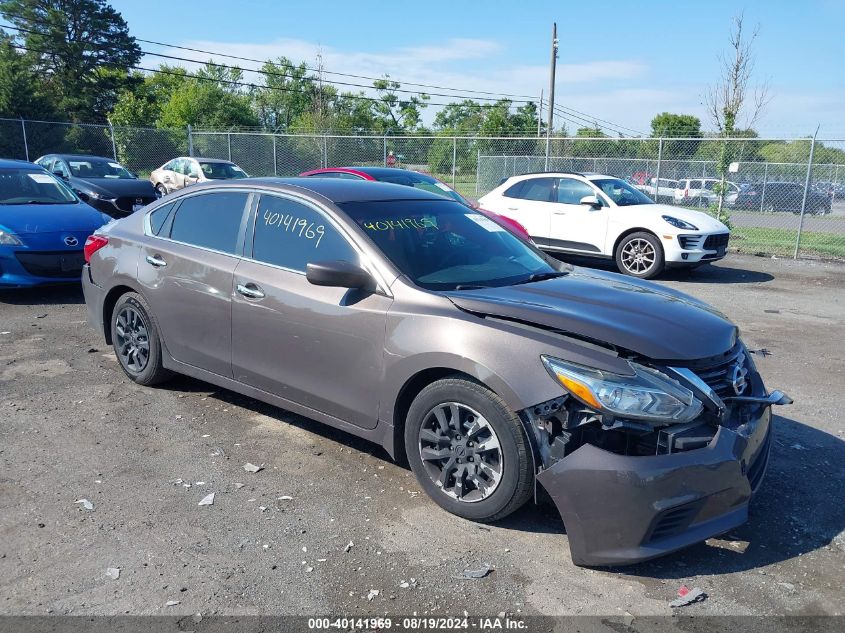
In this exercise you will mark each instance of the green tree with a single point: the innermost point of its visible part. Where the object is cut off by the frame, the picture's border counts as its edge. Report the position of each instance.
(19, 96)
(394, 113)
(287, 93)
(81, 49)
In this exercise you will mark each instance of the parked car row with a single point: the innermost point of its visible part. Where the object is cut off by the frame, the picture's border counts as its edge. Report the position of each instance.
(406, 317)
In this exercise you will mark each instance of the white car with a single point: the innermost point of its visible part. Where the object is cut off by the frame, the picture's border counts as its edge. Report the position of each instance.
(602, 216)
(662, 192)
(702, 191)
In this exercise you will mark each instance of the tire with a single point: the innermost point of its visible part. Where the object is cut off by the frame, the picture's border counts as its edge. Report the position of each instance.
(134, 332)
(161, 190)
(484, 419)
(640, 255)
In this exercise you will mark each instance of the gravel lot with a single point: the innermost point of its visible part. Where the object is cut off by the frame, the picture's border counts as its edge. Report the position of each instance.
(72, 428)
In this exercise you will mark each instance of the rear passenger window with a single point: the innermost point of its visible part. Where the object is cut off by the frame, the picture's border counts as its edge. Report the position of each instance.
(535, 189)
(514, 190)
(159, 216)
(291, 234)
(210, 220)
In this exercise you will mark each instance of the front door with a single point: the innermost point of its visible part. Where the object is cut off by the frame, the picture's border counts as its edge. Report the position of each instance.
(576, 226)
(319, 347)
(187, 273)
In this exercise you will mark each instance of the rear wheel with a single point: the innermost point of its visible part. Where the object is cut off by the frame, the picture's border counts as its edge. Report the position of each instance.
(136, 340)
(161, 191)
(640, 255)
(468, 450)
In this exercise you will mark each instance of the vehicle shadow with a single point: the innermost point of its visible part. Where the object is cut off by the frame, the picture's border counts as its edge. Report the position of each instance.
(43, 295)
(794, 513)
(718, 273)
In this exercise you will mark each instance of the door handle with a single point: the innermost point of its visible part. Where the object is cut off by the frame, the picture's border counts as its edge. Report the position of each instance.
(250, 291)
(513, 208)
(560, 212)
(156, 260)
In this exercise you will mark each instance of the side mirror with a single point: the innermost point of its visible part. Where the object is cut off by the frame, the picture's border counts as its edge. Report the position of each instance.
(60, 174)
(591, 201)
(338, 274)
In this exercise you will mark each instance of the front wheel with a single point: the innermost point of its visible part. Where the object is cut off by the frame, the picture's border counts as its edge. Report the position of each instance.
(468, 450)
(640, 255)
(161, 191)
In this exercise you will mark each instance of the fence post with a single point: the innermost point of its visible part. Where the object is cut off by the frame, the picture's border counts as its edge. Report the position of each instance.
(454, 158)
(275, 168)
(804, 199)
(113, 144)
(25, 144)
(765, 180)
(229, 143)
(190, 141)
(657, 175)
(477, 169)
(384, 158)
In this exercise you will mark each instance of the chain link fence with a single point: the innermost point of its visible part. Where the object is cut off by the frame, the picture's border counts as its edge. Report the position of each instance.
(783, 197)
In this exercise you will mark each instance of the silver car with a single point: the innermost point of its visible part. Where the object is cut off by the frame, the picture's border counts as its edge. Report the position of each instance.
(418, 323)
(184, 171)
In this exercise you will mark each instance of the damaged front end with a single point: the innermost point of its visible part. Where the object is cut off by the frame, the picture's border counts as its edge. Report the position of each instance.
(646, 464)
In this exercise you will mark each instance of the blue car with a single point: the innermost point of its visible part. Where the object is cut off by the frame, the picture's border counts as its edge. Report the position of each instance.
(43, 227)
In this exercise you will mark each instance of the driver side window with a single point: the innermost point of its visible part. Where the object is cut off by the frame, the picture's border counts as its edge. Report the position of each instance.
(570, 191)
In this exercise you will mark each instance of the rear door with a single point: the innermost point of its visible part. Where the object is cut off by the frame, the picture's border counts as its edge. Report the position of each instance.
(529, 202)
(319, 347)
(576, 226)
(186, 271)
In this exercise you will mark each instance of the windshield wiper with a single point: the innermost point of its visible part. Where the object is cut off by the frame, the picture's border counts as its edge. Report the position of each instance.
(541, 277)
(40, 202)
(470, 287)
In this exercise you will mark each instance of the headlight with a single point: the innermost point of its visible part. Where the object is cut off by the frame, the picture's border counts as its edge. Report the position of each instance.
(679, 224)
(647, 395)
(9, 239)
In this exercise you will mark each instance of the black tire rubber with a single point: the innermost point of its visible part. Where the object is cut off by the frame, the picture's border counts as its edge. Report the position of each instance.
(154, 372)
(659, 257)
(517, 483)
(161, 189)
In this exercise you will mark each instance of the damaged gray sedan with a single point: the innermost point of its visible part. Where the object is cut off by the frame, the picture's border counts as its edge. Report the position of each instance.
(422, 325)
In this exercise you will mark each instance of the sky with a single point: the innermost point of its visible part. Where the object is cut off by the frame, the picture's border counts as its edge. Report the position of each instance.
(621, 62)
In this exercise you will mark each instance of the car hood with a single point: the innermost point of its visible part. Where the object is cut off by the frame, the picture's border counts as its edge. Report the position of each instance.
(703, 221)
(627, 313)
(115, 187)
(42, 218)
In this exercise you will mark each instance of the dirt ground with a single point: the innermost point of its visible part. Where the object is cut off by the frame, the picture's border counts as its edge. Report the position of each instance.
(330, 517)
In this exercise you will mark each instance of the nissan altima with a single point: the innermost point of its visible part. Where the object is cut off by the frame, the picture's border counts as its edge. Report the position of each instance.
(418, 323)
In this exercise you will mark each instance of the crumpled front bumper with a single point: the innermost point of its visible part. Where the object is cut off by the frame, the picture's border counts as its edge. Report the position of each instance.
(620, 510)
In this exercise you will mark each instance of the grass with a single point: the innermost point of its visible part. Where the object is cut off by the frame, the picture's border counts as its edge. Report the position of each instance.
(782, 242)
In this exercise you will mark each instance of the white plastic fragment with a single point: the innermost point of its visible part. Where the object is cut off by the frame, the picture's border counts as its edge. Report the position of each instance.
(252, 468)
(695, 595)
(349, 546)
(113, 573)
(239, 486)
(285, 498)
(207, 500)
(475, 574)
(372, 593)
(171, 603)
(85, 504)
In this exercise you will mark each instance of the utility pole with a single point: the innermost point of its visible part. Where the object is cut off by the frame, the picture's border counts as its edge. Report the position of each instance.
(551, 93)
(540, 114)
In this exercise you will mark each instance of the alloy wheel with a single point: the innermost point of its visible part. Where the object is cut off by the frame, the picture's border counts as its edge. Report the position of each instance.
(638, 256)
(133, 342)
(461, 452)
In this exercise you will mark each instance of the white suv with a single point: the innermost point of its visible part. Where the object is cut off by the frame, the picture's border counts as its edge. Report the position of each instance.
(603, 216)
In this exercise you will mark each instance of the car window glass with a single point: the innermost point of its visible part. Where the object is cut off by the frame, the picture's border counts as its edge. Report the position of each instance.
(291, 234)
(570, 191)
(59, 168)
(514, 190)
(46, 163)
(537, 189)
(210, 220)
(158, 217)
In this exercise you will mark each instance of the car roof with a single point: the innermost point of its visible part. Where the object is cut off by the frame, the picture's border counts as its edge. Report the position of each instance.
(333, 189)
(382, 172)
(203, 159)
(12, 163)
(80, 157)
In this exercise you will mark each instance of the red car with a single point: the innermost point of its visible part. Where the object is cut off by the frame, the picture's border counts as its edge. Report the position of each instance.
(419, 181)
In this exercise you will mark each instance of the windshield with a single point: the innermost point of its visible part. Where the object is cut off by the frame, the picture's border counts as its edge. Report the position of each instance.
(426, 183)
(94, 168)
(222, 171)
(28, 186)
(623, 194)
(443, 245)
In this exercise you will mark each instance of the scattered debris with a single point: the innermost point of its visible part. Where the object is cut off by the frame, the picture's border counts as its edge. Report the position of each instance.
(5, 332)
(217, 451)
(798, 447)
(40, 316)
(627, 619)
(262, 508)
(252, 468)
(239, 486)
(412, 584)
(688, 596)
(762, 352)
(176, 482)
(178, 417)
(285, 498)
(85, 504)
(113, 573)
(92, 350)
(788, 586)
(206, 435)
(309, 569)
(772, 311)
(349, 546)
(372, 593)
(200, 483)
(304, 549)
(476, 573)
(171, 603)
(207, 500)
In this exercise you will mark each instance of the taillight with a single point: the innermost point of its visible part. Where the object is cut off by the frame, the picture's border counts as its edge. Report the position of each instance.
(92, 245)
